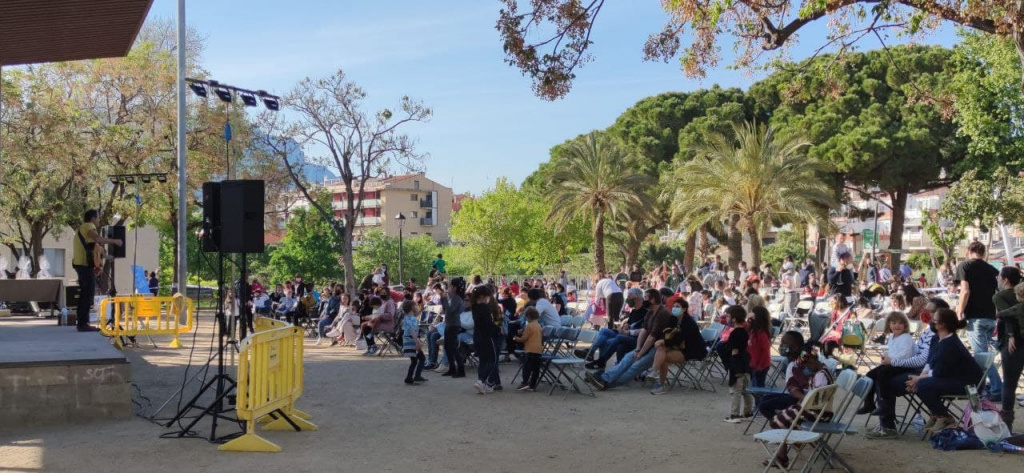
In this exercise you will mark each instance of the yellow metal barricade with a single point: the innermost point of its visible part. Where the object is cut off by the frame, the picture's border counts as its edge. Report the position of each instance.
(146, 315)
(270, 373)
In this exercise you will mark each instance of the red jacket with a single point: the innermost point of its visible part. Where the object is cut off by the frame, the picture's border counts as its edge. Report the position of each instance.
(760, 348)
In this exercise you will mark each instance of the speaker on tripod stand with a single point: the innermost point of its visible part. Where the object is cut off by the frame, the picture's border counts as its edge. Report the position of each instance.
(232, 223)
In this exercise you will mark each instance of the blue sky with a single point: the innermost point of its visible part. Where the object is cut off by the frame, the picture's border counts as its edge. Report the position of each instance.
(486, 123)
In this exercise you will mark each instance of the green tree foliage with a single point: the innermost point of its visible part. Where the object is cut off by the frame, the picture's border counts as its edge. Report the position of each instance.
(596, 184)
(787, 243)
(876, 121)
(989, 102)
(310, 247)
(504, 231)
(752, 179)
(945, 235)
(987, 201)
(375, 249)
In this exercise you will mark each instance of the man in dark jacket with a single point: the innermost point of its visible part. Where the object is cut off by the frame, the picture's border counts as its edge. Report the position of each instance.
(840, 277)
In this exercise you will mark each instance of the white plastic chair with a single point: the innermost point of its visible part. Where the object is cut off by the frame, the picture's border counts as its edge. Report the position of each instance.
(775, 440)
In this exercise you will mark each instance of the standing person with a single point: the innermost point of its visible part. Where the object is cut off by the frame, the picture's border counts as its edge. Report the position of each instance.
(411, 345)
(840, 277)
(439, 264)
(905, 272)
(154, 283)
(739, 366)
(530, 337)
(86, 239)
(760, 345)
(453, 327)
(606, 289)
(977, 286)
(839, 248)
(1011, 341)
(486, 340)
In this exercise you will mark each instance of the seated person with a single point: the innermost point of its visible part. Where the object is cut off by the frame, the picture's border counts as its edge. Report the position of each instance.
(260, 303)
(681, 342)
(950, 370)
(285, 306)
(657, 320)
(346, 323)
(378, 321)
(791, 346)
(891, 381)
(901, 346)
(618, 342)
(330, 313)
(816, 375)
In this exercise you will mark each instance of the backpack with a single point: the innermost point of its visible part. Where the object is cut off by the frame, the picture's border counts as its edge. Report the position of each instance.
(853, 334)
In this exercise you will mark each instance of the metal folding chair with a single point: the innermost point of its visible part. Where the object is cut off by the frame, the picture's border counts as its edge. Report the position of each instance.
(839, 427)
(775, 440)
(571, 368)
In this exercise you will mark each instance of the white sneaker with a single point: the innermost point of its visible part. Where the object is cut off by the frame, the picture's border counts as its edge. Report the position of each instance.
(441, 368)
(487, 389)
(480, 387)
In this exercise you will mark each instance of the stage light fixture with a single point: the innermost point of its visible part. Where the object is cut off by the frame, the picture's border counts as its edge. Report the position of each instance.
(248, 99)
(129, 179)
(271, 104)
(114, 180)
(161, 178)
(146, 179)
(223, 94)
(198, 89)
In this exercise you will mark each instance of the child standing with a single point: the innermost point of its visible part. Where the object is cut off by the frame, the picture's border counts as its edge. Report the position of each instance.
(411, 345)
(739, 366)
(760, 345)
(531, 339)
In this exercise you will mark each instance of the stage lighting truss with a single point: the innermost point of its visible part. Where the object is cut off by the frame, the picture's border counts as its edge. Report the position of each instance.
(226, 93)
(141, 178)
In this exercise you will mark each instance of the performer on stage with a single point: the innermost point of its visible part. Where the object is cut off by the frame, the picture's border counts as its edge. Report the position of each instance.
(86, 264)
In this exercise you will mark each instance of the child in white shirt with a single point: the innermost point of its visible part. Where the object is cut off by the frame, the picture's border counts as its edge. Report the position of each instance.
(901, 342)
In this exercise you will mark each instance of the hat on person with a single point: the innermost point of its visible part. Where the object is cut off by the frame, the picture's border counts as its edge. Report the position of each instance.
(635, 293)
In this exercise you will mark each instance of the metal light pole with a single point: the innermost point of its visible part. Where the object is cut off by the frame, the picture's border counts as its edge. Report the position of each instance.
(401, 222)
(182, 164)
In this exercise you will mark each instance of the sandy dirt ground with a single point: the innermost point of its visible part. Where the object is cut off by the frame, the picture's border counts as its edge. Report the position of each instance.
(371, 422)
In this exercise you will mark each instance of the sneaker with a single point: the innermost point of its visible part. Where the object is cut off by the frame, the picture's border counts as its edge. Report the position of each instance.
(523, 387)
(483, 388)
(420, 379)
(430, 367)
(593, 365)
(595, 381)
(529, 389)
(581, 353)
(881, 433)
(409, 382)
(1020, 397)
(658, 388)
(441, 368)
(941, 424)
(88, 328)
(733, 419)
(497, 387)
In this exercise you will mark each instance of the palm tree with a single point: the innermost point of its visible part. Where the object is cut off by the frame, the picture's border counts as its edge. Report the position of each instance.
(750, 181)
(594, 182)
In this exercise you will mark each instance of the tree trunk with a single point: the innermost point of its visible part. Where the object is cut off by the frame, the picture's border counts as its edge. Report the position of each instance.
(755, 247)
(689, 253)
(899, 213)
(346, 257)
(703, 245)
(36, 246)
(599, 243)
(735, 244)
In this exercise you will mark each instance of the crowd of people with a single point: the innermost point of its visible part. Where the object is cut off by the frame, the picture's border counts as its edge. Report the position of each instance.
(648, 322)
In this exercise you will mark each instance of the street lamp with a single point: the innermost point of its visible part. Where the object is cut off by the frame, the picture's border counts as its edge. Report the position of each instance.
(401, 222)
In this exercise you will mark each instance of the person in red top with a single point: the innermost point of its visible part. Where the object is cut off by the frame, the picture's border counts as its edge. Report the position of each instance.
(514, 287)
(760, 345)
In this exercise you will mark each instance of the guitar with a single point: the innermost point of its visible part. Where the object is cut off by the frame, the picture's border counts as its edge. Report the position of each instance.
(99, 255)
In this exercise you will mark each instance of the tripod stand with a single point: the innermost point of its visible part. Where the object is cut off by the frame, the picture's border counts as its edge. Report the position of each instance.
(222, 383)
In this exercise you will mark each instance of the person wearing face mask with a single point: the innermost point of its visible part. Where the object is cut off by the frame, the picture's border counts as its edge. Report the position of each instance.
(681, 342)
(657, 320)
(812, 374)
(790, 347)
(622, 340)
(556, 300)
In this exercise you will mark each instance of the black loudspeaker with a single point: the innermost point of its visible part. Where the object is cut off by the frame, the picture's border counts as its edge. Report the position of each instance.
(211, 217)
(241, 216)
(116, 233)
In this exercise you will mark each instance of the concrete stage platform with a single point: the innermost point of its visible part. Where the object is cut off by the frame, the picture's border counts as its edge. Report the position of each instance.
(54, 375)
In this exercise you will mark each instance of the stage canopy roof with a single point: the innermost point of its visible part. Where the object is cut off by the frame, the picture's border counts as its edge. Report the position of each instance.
(35, 31)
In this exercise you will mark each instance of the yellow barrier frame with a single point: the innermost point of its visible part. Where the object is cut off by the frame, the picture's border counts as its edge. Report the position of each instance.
(146, 315)
(270, 380)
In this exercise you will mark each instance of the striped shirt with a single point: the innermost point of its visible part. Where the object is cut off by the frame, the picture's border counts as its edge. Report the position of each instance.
(922, 351)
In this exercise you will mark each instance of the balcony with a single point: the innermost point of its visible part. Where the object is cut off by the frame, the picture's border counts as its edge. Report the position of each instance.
(428, 221)
(367, 204)
(427, 203)
(367, 221)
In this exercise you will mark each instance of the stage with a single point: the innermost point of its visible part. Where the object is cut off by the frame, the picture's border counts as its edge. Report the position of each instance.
(56, 375)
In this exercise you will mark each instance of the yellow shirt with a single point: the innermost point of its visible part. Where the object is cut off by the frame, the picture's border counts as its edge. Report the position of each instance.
(79, 257)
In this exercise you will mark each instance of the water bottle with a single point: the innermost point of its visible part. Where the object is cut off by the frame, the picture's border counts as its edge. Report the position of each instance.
(64, 316)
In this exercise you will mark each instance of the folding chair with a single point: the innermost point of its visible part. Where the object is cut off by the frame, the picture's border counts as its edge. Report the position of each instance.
(391, 341)
(915, 407)
(838, 426)
(779, 364)
(577, 321)
(565, 319)
(817, 400)
(694, 371)
(571, 368)
(548, 340)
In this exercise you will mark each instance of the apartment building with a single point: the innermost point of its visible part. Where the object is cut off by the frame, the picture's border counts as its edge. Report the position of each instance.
(426, 205)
